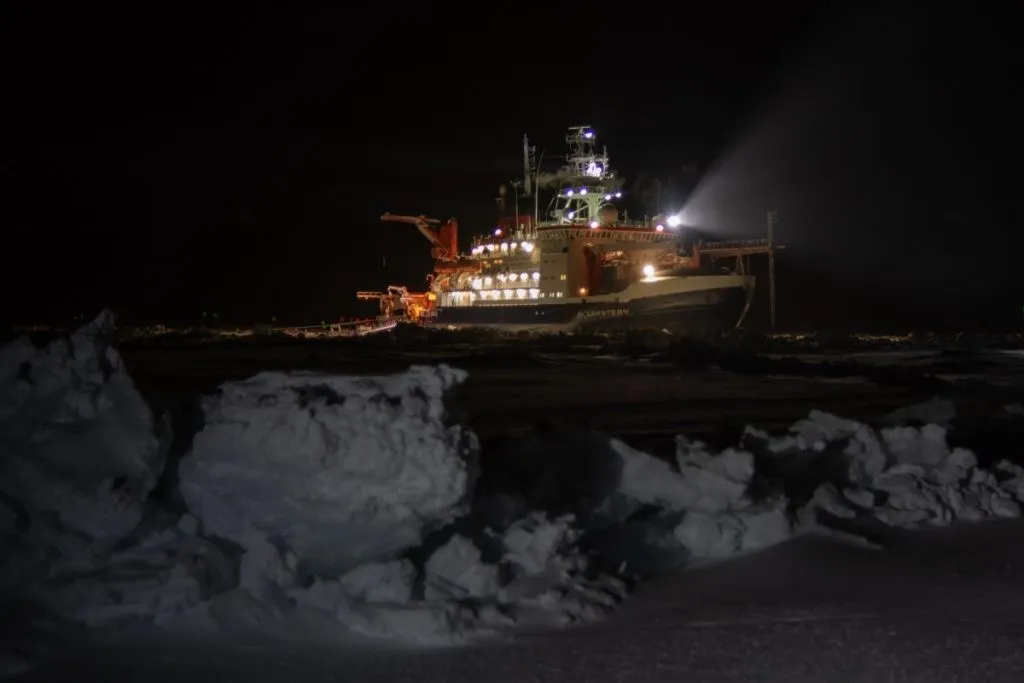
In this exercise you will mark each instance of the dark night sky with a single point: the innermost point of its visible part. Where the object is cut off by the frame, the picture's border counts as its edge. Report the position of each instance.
(169, 164)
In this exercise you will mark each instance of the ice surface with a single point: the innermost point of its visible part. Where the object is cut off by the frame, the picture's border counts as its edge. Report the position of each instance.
(342, 470)
(323, 505)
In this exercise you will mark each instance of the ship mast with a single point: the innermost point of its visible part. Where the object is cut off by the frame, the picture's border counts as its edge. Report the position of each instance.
(531, 179)
(588, 182)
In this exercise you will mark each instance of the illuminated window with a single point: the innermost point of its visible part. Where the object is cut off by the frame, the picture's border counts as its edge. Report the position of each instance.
(562, 277)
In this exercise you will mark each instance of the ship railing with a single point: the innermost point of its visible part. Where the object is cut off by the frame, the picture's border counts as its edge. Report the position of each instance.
(585, 223)
(543, 228)
(506, 237)
(735, 244)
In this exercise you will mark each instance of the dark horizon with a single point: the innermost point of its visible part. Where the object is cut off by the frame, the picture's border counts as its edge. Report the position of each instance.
(239, 164)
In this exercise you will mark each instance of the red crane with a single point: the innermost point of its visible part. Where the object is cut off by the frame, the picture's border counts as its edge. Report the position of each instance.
(445, 240)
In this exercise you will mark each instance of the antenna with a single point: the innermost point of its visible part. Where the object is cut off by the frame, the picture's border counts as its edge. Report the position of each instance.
(526, 166)
(516, 184)
(536, 195)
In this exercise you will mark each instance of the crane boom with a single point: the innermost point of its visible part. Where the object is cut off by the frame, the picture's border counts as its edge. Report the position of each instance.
(444, 239)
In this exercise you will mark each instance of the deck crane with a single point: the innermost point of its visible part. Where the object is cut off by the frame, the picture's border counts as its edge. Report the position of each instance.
(448, 268)
(397, 298)
(445, 239)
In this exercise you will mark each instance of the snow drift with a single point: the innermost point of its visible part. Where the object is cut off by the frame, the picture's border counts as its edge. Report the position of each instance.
(353, 503)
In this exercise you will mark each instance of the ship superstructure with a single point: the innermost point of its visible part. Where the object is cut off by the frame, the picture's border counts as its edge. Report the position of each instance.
(583, 263)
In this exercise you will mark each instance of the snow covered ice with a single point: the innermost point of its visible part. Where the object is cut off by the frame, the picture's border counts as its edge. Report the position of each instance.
(342, 470)
(81, 452)
(78, 439)
(327, 482)
(319, 502)
(900, 475)
(722, 518)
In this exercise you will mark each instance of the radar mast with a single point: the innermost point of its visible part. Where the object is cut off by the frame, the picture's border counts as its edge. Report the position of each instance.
(587, 181)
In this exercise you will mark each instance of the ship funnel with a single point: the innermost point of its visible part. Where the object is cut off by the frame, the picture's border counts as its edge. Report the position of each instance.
(526, 166)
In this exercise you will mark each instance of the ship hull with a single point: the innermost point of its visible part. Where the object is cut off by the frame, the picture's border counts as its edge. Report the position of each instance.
(709, 309)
